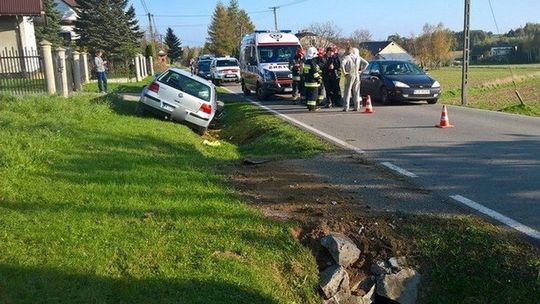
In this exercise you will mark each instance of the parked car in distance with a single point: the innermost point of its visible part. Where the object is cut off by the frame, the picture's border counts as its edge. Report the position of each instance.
(178, 95)
(225, 69)
(203, 69)
(389, 80)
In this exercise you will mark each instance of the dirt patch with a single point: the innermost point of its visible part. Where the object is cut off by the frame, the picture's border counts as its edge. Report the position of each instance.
(287, 191)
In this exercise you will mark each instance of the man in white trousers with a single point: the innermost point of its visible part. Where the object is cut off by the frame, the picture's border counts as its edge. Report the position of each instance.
(352, 66)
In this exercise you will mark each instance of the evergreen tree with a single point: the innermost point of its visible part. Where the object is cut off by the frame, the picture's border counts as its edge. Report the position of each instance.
(50, 31)
(221, 32)
(173, 45)
(241, 25)
(108, 25)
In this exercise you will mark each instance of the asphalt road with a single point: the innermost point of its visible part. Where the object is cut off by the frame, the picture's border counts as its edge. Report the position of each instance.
(490, 158)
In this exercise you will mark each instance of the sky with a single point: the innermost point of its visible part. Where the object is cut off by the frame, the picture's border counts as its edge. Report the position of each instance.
(190, 18)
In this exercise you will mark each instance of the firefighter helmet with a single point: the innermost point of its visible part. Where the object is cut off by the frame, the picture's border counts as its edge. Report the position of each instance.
(300, 52)
(311, 53)
(320, 52)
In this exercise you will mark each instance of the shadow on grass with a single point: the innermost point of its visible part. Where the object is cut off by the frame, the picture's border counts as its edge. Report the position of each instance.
(47, 285)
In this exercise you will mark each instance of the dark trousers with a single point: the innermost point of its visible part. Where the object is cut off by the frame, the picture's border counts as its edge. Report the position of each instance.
(295, 88)
(333, 91)
(102, 81)
(312, 97)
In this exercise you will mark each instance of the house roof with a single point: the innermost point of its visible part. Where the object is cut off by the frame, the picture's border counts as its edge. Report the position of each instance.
(21, 7)
(72, 3)
(375, 46)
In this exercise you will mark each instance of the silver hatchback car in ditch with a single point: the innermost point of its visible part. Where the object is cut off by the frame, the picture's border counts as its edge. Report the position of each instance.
(178, 95)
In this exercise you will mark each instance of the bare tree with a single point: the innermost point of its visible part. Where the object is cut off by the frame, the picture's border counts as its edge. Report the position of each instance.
(328, 34)
(359, 36)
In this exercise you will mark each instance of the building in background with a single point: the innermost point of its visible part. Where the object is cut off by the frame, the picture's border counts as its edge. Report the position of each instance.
(16, 24)
(386, 50)
(68, 12)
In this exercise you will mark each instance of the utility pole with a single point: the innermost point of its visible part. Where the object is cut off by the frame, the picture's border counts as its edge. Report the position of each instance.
(466, 53)
(274, 8)
(150, 28)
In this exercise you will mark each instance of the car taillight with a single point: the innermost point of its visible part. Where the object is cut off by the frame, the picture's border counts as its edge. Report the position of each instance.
(206, 108)
(154, 87)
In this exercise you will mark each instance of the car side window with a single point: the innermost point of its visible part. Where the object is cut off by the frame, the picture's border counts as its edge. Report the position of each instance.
(375, 68)
(368, 68)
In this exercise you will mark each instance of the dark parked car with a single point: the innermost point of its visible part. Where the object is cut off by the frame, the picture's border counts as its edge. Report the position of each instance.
(203, 68)
(388, 80)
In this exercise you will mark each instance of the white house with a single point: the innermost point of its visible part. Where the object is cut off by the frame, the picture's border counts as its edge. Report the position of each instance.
(68, 12)
(386, 50)
(16, 25)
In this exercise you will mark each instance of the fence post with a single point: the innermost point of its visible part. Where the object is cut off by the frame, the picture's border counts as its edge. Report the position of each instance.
(145, 67)
(48, 66)
(138, 68)
(84, 69)
(77, 70)
(151, 65)
(61, 53)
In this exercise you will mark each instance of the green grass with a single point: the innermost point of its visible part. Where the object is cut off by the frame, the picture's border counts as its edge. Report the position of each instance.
(131, 87)
(100, 206)
(262, 134)
(465, 260)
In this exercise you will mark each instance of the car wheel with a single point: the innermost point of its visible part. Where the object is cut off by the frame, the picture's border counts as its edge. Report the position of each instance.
(432, 101)
(261, 93)
(383, 96)
(246, 91)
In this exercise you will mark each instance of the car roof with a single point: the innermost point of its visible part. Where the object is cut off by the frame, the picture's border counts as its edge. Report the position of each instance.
(225, 58)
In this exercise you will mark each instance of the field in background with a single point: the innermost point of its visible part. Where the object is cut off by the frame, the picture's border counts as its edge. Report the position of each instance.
(492, 87)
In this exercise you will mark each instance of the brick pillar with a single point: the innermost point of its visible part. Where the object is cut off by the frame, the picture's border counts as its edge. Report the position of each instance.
(77, 70)
(48, 66)
(61, 53)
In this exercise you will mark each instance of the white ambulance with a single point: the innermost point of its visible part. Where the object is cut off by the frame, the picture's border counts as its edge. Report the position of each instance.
(264, 62)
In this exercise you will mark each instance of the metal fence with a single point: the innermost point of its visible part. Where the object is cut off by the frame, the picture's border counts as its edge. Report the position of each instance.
(21, 72)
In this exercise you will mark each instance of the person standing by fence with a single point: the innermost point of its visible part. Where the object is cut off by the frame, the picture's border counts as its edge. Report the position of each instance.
(101, 71)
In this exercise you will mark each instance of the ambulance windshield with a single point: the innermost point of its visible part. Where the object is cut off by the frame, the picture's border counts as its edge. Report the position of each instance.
(276, 54)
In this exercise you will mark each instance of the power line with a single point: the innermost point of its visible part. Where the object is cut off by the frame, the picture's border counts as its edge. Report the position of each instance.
(143, 3)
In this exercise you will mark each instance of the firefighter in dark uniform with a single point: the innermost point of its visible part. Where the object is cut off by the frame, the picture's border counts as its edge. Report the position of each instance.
(312, 79)
(295, 65)
(331, 77)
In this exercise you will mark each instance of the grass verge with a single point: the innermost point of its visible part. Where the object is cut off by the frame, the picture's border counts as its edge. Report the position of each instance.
(98, 205)
(259, 133)
(466, 260)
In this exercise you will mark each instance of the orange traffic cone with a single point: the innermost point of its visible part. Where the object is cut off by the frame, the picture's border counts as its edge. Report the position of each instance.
(369, 107)
(445, 122)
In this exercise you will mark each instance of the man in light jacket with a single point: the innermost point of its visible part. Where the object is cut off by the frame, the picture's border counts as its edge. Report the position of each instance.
(101, 71)
(352, 66)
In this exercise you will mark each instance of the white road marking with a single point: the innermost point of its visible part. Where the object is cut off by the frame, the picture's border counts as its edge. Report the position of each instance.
(399, 169)
(497, 216)
(298, 123)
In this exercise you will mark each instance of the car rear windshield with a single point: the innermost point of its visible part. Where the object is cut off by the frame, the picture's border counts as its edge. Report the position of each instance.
(204, 65)
(227, 63)
(186, 85)
(276, 54)
(400, 68)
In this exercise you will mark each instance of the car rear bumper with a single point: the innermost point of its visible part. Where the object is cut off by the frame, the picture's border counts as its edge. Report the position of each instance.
(176, 113)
